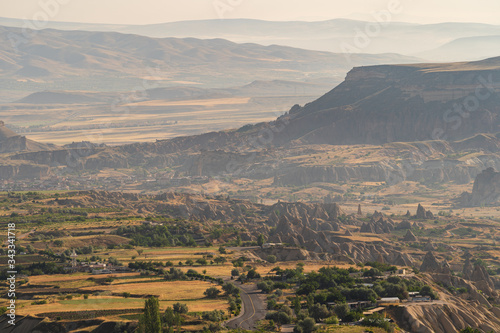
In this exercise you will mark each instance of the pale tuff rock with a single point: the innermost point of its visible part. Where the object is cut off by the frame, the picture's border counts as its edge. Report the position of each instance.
(430, 264)
(410, 237)
(486, 190)
(423, 214)
(405, 224)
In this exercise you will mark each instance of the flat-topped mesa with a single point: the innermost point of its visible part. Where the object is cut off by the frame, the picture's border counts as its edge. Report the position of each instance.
(431, 82)
(393, 103)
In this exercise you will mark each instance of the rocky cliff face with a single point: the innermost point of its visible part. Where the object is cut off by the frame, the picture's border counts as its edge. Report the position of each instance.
(24, 171)
(380, 104)
(12, 142)
(452, 316)
(486, 190)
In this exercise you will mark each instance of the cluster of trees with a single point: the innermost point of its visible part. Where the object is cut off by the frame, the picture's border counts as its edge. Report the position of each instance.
(152, 321)
(334, 285)
(37, 268)
(146, 266)
(156, 236)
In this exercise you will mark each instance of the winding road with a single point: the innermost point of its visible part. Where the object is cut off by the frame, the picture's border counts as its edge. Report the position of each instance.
(253, 308)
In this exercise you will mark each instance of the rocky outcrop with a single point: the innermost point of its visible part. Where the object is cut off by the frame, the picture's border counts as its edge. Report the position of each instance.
(379, 104)
(23, 171)
(450, 317)
(403, 225)
(367, 228)
(423, 214)
(11, 142)
(378, 224)
(410, 237)
(486, 190)
(288, 254)
(430, 264)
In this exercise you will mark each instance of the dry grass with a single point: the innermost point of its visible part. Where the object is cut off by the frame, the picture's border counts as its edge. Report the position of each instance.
(49, 279)
(172, 291)
(116, 303)
(100, 240)
(145, 122)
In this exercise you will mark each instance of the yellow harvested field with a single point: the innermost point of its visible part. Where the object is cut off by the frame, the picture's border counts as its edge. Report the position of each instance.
(215, 271)
(171, 291)
(49, 279)
(115, 303)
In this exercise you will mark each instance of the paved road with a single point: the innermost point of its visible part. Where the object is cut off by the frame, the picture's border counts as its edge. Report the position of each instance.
(253, 308)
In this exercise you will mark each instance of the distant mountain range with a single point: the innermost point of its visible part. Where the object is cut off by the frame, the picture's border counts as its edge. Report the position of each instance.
(332, 35)
(476, 47)
(107, 61)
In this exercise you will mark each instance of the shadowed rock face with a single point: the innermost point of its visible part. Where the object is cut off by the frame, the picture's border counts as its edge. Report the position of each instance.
(431, 264)
(486, 190)
(410, 237)
(423, 214)
(380, 104)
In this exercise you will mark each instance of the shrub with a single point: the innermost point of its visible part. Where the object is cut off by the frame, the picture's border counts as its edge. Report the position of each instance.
(279, 317)
(252, 274)
(272, 259)
(266, 286)
(212, 292)
(307, 325)
(332, 320)
(180, 308)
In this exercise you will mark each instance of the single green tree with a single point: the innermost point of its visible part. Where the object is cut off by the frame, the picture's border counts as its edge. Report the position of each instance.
(150, 321)
(212, 292)
(261, 240)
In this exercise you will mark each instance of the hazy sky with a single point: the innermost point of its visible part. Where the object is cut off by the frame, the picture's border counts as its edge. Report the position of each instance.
(157, 11)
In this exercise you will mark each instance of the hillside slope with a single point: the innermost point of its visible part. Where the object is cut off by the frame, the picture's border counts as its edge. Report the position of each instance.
(381, 104)
(81, 60)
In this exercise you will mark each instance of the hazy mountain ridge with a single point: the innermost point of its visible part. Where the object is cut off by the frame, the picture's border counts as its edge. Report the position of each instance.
(482, 46)
(106, 60)
(331, 35)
